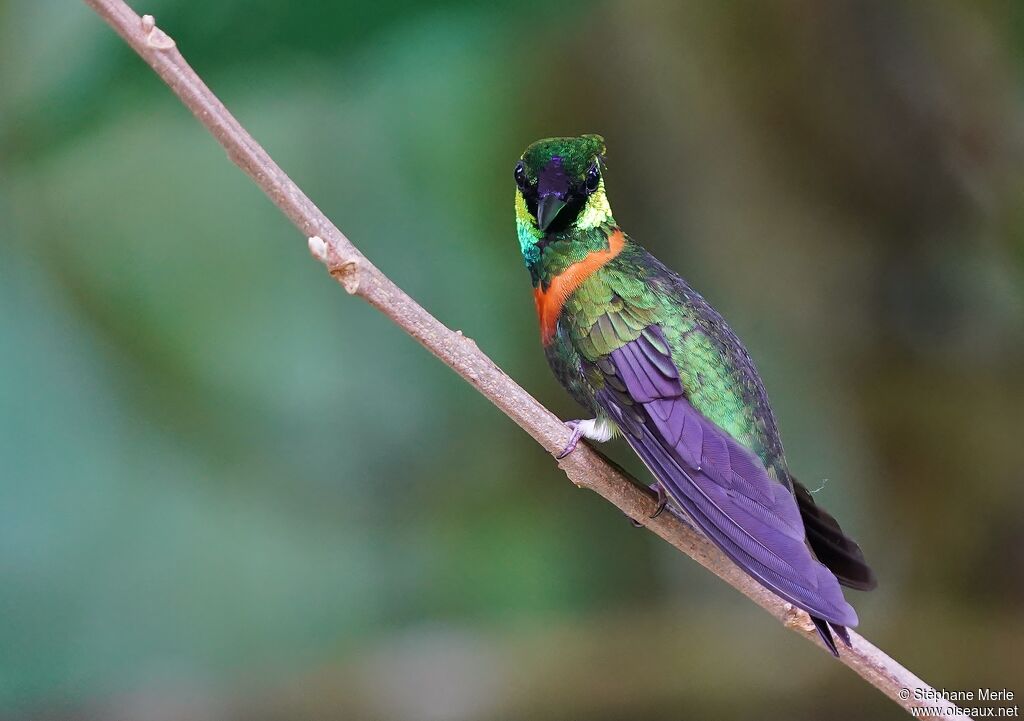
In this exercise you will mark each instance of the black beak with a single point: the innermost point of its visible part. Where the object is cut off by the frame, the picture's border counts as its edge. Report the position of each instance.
(548, 209)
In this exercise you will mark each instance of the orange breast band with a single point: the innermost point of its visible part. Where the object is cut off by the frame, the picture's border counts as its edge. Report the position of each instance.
(550, 301)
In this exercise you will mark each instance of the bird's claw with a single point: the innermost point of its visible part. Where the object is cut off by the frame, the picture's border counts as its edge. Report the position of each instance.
(574, 439)
(662, 502)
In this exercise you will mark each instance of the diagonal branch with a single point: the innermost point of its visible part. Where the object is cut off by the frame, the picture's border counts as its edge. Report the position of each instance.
(585, 467)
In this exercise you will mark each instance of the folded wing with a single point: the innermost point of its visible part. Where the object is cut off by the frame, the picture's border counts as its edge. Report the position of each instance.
(720, 484)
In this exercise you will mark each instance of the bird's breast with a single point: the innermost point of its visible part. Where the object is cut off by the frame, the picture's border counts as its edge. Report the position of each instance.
(551, 300)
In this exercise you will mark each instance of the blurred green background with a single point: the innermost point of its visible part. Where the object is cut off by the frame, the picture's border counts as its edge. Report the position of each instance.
(229, 491)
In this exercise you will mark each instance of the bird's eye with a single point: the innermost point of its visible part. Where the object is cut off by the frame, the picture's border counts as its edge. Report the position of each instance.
(520, 174)
(593, 178)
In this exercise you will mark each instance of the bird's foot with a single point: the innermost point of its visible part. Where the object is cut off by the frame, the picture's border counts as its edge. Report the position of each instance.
(574, 439)
(662, 498)
(596, 429)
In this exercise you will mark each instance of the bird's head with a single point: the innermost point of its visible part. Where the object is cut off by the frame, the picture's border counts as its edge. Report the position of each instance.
(560, 189)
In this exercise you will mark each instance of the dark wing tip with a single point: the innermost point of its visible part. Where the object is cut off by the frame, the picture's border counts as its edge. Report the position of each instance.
(825, 634)
(831, 545)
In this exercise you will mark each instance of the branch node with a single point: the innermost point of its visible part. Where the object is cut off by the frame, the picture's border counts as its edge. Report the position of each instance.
(155, 37)
(345, 272)
(318, 248)
(467, 339)
(797, 620)
(348, 275)
(563, 463)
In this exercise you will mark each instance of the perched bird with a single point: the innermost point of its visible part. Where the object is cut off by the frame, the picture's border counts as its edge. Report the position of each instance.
(651, 360)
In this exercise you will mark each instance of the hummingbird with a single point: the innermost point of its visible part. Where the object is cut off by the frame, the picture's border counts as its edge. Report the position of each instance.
(653, 362)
